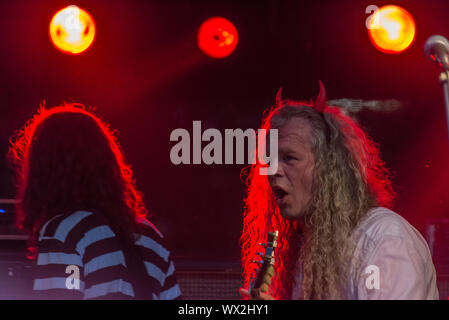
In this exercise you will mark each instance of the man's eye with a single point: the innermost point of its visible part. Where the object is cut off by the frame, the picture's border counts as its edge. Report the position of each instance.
(289, 158)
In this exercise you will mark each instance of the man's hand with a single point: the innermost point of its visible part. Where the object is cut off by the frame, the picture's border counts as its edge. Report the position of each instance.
(262, 295)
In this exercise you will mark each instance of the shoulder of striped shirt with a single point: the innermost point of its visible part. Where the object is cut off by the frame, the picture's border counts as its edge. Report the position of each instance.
(64, 227)
(44, 227)
(152, 226)
(150, 237)
(74, 218)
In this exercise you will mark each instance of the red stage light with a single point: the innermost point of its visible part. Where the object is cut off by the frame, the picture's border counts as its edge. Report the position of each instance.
(392, 29)
(72, 30)
(217, 37)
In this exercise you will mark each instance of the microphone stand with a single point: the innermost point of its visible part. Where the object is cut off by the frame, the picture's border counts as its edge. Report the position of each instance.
(444, 80)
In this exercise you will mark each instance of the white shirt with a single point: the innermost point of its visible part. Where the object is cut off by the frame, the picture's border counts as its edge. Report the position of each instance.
(395, 261)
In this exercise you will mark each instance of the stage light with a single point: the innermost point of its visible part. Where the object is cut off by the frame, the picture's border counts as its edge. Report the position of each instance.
(217, 37)
(72, 30)
(391, 29)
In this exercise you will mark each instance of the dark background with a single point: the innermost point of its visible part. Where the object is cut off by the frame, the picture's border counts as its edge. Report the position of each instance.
(146, 77)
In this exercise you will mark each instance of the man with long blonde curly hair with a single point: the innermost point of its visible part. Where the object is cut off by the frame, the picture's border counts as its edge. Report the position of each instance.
(329, 199)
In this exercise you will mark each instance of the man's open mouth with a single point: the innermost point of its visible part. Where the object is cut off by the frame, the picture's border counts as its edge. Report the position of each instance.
(279, 193)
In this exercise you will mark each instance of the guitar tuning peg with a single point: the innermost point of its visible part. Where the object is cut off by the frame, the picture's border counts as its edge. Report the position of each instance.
(262, 244)
(259, 254)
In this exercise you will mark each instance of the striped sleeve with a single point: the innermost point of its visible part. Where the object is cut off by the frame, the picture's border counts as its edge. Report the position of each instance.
(158, 263)
(170, 290)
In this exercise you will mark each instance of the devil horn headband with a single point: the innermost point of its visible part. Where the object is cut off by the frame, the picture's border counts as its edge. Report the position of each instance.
(279, 97)
(319, 104)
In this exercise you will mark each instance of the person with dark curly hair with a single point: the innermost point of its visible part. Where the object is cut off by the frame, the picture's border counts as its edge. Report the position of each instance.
(329, 200)
(86, 220)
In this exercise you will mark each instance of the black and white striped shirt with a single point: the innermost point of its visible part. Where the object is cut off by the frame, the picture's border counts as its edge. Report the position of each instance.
(80, 257)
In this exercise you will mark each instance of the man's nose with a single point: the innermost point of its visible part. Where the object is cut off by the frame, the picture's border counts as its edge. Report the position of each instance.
(279, 171)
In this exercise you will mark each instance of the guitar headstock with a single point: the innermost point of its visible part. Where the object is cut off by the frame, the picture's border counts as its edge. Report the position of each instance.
(263, 279)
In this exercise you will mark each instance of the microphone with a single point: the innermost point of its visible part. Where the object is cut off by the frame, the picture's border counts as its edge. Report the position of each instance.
(436, 49)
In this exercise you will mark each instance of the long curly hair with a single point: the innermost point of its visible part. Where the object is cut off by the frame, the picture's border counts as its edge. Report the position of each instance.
(349, 178)
(67, 159)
